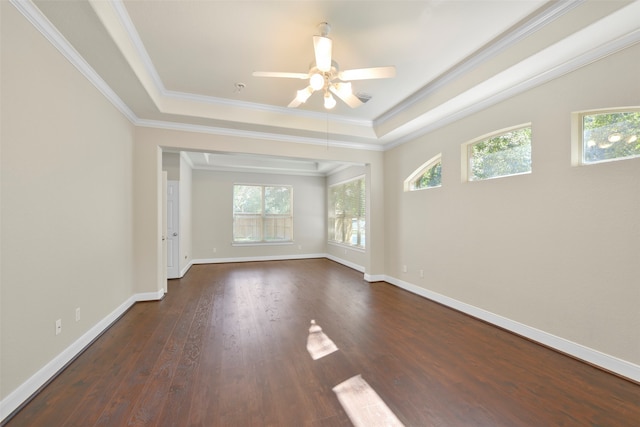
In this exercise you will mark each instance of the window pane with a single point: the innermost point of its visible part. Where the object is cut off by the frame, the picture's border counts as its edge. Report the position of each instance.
(247, 199)
(432, 177)
(352, 198)
(262, 213)
(610, 136)
(502, 155)
(277, 228)
(277, 200)
(247, 228)
(356, 235)
(331, 219)
(338, 198)
(347, 212)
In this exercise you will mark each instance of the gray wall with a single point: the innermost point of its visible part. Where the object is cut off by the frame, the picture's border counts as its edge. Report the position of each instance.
(212, 215)
(557, 250)
(67, 203)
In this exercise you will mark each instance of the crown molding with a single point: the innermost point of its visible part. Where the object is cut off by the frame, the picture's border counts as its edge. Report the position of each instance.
(239, 133)
(134, 37)
(51, 33)
(46, 28)
(154, 78)
(500, 44)
(190, 97)
(619, 41)
(261, 170)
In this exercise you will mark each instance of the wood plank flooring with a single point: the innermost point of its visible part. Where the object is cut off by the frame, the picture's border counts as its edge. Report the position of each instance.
(227, 347)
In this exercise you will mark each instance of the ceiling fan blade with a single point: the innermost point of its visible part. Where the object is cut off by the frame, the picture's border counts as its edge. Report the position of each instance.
(368, 73)
(301, 97)
(285, 75)
(322, 48)
(295, 103)
(346, 95)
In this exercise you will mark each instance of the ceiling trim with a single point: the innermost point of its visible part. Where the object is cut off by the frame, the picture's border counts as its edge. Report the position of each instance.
(258, 163)
(498, 45)
(134, 38)
(183, 96)
(239, 133)
(51, 33)
(133, 35)
(118, 23)
(567, 67)
(620, 29)
(263, 170)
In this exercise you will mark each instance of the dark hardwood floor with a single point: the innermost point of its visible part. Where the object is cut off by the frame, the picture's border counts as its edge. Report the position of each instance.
(227, 347)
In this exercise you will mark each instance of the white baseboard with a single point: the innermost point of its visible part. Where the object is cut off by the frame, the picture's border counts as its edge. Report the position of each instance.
(349, 264)
(610, 363)
(374, 277)
(607, 362)
(256, 258)
(185, 269)
(21, 394)
(147, 296)
(367, 277)
(344, 262)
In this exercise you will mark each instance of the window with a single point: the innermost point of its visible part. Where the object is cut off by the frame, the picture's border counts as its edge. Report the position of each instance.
(505, 154)
(347, 213)
(610, 135)
(428, 175)
(262, 213)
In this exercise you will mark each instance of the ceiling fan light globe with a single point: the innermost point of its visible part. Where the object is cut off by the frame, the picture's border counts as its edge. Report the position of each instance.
(304, 94)
(316, 81)
(329, 101)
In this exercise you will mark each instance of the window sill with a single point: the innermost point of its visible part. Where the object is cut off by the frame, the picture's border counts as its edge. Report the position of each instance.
(350, 247)
(283, 243)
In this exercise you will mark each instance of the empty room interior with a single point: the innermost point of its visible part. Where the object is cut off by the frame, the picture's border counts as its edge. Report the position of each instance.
(293, 213)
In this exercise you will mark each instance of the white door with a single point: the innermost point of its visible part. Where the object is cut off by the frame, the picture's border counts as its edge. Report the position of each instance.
(173, 237)
(163, 269)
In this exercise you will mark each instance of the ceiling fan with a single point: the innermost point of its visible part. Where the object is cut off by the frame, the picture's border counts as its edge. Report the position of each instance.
(324, 75)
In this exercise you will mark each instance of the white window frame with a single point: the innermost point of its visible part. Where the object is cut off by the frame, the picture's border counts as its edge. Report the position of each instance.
(361, 220)
(409, 183)
(577, 135)
(466, 157)
(264, 215)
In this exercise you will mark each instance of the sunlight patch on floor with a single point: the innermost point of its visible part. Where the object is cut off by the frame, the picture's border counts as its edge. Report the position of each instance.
(318, 344)
(363, 405)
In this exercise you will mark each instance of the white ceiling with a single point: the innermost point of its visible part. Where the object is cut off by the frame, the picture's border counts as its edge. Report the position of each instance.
(176, 64)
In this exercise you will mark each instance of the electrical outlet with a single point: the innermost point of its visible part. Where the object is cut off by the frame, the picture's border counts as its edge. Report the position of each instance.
(215, 250)
(421, 273)
(404, 268)
(78, 314)
(58, 326)
(299, 247)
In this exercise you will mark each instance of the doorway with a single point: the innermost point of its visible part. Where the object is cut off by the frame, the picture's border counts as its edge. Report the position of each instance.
(173, 230)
